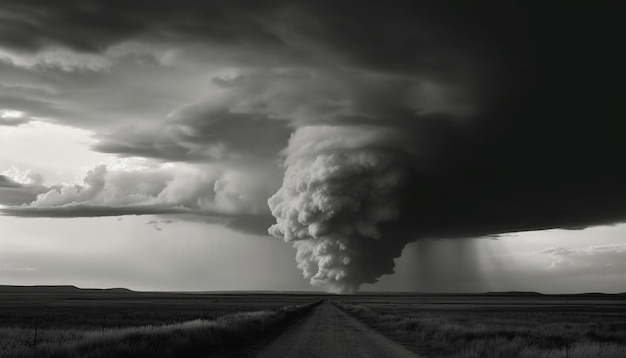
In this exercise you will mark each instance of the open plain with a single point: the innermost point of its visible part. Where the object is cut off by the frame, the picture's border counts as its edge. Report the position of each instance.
(70, 322)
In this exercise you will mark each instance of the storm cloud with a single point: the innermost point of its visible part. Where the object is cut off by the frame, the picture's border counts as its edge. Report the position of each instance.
(490, 117)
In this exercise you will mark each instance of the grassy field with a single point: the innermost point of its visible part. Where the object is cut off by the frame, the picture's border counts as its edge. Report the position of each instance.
(71, 308)
(506, 325)
(66, 322)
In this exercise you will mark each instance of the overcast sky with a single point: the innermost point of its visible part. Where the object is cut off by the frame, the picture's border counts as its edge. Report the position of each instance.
(294, 145)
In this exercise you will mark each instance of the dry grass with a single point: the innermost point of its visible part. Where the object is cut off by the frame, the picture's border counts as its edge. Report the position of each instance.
(491, 333)
(98, 310)
(188, 339)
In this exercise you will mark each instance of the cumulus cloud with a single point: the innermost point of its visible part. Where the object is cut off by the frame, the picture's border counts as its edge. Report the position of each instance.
(170, 186)
(397, 121)
(21, 177)
(18, 186)
(222, 195)
(336, 195)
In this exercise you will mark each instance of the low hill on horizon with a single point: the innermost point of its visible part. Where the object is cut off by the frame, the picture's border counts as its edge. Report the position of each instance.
(57, 289)
(71, 289)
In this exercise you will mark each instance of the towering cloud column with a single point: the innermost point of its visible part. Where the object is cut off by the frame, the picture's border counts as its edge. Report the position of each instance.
(340, 186)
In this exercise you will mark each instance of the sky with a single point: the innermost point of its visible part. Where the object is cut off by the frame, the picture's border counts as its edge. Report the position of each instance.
(295, 146)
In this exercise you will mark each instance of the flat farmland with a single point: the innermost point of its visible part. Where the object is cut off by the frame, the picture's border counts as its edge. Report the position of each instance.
(498, 325)
(68, 307)
(70, 322)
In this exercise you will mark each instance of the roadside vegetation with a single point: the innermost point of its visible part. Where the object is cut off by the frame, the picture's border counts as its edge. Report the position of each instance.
(579, 331)
(77, 309)
(219, 337)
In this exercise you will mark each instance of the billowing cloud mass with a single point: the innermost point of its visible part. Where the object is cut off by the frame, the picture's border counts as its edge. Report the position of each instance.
(337, 192)
(218, 194)
(385, 123)
(18, 187)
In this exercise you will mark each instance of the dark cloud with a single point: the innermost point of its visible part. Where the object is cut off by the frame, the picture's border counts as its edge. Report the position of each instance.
(397, 37)
(248, 223)
(14, 193)
(541, 148)
(550, 151)
(92, 26)
(545, 147)
(88, 210)
(252, 224)
(515, 108)
(67, 97)
(6, 182)
(201, 134)
(400, 37)
(18, 196)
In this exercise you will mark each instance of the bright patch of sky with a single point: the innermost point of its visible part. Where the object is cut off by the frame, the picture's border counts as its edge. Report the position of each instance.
(60, 154)
(142, 253)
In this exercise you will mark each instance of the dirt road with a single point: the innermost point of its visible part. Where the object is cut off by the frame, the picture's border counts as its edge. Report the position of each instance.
(328, 332)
